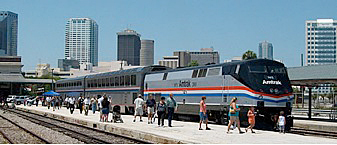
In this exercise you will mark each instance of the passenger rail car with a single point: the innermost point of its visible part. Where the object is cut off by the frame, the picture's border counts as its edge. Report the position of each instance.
(121, 86)
(260, 82)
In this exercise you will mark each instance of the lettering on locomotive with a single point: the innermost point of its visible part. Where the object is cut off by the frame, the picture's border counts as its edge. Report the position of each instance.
(271, 82)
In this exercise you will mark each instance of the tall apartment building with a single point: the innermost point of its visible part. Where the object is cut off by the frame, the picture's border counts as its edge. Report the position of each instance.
(320, 41)
(265, 50)
(8, 33)
(128, 47)
(147, 52)
(82, 40)
(205, 56)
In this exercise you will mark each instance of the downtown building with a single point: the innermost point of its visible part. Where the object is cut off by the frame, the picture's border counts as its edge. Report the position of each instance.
(8, 33)
(128, 47)
(81, 41)
(265, 50)
(147, 53)
(205, 56)
(320, 45)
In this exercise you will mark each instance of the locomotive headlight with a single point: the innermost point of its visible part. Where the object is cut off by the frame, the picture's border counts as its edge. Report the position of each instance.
(271, 90)
(276, 90)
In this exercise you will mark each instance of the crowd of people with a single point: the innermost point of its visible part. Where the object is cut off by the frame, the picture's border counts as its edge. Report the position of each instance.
(162, 109)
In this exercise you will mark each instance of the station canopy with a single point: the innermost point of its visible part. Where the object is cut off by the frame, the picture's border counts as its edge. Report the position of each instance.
(18, 78)
(313, 75)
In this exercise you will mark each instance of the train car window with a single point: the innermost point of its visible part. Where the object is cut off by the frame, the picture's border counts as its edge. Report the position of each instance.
(95, 83)
(195, 73)
(88, 84)
(133, 80)
(107, 81)
(127, 80)
(165, 76)
(122, 81)
(116, 81)
(112, 81)
(103, 82)
(257, 69)
(213, 72)
(202, 73)
(99, 82)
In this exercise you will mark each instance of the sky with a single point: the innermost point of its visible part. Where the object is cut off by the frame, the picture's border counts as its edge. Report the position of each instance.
(229, 26)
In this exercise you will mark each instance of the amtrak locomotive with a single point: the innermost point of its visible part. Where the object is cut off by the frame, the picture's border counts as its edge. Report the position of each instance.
(261, 83)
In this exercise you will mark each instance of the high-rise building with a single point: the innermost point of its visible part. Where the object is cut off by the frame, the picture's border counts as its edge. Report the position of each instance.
(82, 40)
(8, 33)
(205, 56)
(147, 52)
(128, 47)
(265, 50)
(320, 41)
(66, 64)
(184, 58)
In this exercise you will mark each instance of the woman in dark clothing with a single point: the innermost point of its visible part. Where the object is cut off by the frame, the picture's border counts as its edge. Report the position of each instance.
(105, 109)
(161, 111)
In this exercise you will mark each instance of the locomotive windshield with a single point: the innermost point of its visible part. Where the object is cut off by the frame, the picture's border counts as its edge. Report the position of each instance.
(267, 77)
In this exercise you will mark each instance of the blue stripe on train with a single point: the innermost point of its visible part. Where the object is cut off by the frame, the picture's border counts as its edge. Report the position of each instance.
(134, 90)
(232, 94)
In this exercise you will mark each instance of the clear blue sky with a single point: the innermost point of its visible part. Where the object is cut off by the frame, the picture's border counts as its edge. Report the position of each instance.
(231, 27)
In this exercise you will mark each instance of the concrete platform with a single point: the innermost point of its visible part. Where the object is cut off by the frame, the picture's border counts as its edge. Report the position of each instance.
(316, 125)
(181, 132)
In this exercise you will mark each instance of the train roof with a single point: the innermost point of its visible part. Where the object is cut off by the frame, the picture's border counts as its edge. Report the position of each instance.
(221, 64)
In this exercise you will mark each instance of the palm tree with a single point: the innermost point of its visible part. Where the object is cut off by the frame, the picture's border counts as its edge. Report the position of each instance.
(249, 55)
(193, 63)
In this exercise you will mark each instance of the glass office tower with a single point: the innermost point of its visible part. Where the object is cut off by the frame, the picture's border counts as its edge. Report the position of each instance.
(8, 33)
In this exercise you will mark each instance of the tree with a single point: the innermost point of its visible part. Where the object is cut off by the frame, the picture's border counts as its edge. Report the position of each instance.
(193, 63)
(249, 55)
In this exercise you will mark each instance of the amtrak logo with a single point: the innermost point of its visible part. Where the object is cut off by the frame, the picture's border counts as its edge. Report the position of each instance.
(271, 82)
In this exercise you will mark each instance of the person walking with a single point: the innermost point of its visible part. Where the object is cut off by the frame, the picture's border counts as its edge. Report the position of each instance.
(66, 101)
(37, 101)
(57, 103)
(105, 109)
(80, 103)
(139, 108)
(86, 103)
(251, 119)
(161, 111)
(53, 102)
(234, 115)
(71, 101)
(202, 113)
(281, 122)
(171, 107)
(150, 103)
(100, 100)
(94, 105)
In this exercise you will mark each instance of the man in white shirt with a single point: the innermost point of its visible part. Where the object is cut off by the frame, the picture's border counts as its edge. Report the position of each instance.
(138, 107)
(100, 100)
(48, 99)
(71, 104)
(67, 102)
(86, 103)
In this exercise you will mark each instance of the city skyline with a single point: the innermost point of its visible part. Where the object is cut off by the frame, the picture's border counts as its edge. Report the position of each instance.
(174, 25)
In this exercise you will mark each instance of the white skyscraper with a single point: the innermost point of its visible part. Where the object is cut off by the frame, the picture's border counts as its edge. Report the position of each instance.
(265, 50)
(82, 40)
(146, 52)
(320, 41)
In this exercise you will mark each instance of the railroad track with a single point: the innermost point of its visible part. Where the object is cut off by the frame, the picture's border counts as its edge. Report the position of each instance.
(10, 128)
(82, 133)
(303, 131)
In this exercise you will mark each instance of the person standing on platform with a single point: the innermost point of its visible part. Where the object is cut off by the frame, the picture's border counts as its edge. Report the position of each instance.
(161, 111)
(53, 102)
(60, 101)
(86, 103)
(67, 102)
(100, 101)
(57, 102)
(37, 101)
(80, 103)
(150, 103)
(251, 119)
(171, 107)
(202, 113)
(71, 101)
(94, 105)
(234, 115)
(48, 99)
(138, 108)
(281, 122)
(105, 109)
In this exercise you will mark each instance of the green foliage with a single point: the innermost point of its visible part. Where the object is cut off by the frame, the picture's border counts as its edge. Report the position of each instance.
(249, 55)
(193, 63)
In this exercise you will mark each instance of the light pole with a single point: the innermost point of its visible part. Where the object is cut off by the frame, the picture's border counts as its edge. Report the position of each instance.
(52, 79)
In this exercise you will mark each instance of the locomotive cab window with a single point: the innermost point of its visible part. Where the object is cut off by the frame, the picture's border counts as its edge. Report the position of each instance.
(257, 69)
(276, 69)
(213, 72)
(195, 73)
(202, 73)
